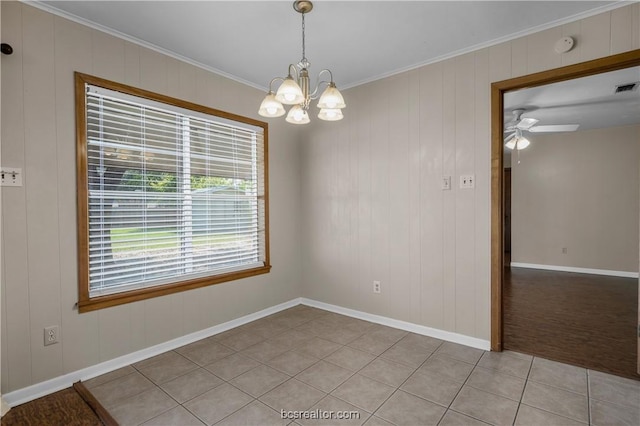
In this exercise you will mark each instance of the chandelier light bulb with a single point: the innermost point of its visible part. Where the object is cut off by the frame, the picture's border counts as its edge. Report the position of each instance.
(289, 92)
(328, 114)
(297, 115)
(331, 98)
(270, 107)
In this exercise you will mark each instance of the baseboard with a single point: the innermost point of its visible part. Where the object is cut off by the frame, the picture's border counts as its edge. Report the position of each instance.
(4, 407)
(38, 390)
(607, 272)
(402, 325)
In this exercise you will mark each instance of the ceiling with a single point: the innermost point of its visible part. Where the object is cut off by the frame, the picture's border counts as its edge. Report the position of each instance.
(590, 101)
(360, 41)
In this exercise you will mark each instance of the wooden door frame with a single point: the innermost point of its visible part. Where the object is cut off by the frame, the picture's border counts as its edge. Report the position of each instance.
(597, 66)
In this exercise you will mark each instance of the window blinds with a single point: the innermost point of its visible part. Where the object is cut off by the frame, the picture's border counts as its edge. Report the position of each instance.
(173, 194)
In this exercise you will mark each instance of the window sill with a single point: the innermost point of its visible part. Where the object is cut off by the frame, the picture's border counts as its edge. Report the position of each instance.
(116, 299)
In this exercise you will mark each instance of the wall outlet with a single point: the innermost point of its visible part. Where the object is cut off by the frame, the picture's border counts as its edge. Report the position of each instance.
(376, 287)
(51, 335)
(564, 250)
(467, 181)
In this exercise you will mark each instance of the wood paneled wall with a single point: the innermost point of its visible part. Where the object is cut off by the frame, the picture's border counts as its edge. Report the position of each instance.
(373, 207)
(360, 197)
(39, 267)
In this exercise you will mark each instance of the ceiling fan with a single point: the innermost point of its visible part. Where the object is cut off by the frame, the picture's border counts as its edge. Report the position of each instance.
(519, 124)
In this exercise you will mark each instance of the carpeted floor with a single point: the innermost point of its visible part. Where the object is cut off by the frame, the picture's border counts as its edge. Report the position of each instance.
(66, 407)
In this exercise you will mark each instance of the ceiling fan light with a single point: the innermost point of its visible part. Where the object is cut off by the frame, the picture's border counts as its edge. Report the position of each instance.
(297, 115)
(331, 98)
(289, 92)
(510, 141)
(328, 114)
(270, 107)
(522, 143)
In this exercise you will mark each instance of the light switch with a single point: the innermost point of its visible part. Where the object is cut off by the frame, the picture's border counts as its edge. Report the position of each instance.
(445, 183)
(11, 176)
(467, 181)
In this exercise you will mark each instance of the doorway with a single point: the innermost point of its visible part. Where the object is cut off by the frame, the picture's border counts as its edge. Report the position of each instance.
(507, 216)
(505, 296)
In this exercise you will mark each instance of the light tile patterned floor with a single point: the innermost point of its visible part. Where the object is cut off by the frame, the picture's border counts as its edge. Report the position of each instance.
(309, 359)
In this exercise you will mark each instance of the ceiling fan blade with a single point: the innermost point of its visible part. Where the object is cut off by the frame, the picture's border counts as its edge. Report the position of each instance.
(554, 128)
(526, 123)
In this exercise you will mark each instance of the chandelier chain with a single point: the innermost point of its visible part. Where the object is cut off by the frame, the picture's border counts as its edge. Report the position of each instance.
(304, 56)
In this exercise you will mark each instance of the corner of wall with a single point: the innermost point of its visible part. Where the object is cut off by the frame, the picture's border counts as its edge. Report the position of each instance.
(4, 407)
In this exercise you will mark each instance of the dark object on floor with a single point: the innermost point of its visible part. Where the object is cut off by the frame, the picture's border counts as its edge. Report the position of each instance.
(65, 407)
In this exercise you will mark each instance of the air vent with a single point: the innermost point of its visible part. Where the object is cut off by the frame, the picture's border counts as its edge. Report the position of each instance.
(629, 87)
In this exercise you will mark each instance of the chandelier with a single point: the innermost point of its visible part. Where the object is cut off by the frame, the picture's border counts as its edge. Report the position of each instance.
(295, 88)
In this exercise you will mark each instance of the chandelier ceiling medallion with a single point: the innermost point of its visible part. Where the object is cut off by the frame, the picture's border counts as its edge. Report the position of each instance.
(295, 88)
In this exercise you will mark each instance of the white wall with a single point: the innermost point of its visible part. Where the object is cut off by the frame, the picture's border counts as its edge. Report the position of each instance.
(577, 191)
(373, 208)
(39, 277)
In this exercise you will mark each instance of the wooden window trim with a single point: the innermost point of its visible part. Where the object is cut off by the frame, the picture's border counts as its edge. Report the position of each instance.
(87, 303)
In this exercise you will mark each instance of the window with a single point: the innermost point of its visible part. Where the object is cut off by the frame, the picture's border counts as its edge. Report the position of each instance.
(171, 195)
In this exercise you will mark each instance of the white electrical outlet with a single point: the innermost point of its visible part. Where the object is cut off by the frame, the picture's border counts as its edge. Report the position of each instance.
(11, 176)
(51, 335)
(467, 181)
(376, 287)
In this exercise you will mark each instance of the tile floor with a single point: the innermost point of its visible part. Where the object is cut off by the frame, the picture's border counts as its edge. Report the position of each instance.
(305, 358)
